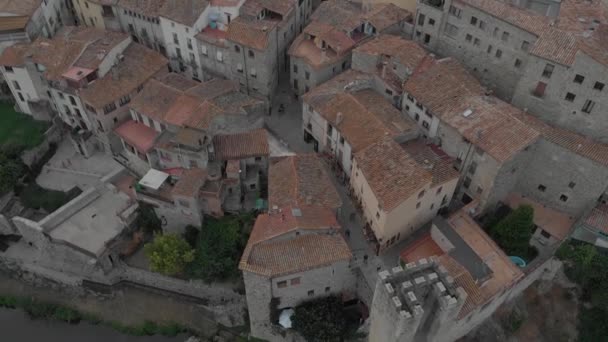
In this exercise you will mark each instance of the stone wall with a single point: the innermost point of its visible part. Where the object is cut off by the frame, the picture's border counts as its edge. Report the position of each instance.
(32, 156)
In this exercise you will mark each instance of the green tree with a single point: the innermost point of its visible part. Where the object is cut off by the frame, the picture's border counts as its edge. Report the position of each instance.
(169, 254)
(147, 219)
(321, 319)
(11, 167)
(218, 250)
(513, 233)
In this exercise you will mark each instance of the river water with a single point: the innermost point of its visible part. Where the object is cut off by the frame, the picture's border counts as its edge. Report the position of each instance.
(15, 326)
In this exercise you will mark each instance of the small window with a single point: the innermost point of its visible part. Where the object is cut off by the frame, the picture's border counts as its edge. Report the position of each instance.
(598, 86)
(439, 190)
(425, 125)
(16, 85)
(468, 38)
(505, 36)
(570, 97)
(432, 206)
(311, 293)
(579, 79)
(489, 50)
(237, 48)
(495, 33)
(307, 75)
(571, 185)
(282, 284)
(482, 24)
(251, 54)
(548, 71)
(517, 63)
(474, 21)
(588, 106)
(467, 182)
(8, 69)
(542, 188)
(341, 140)
(418, 205)
(20, 97)
(525, 45)
(184, 203)
(327, 289)
(455, 11)
(479, 190)
(377, 215)
(545, 234)
(421, 194)
(476, 42)
(295, 281)
(563, 198)
(417, 117)
(472, 167)
(421, 19)
(498, 53)
(431, 22)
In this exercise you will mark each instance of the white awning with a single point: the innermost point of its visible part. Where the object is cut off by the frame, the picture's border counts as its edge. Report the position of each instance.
(154, 179)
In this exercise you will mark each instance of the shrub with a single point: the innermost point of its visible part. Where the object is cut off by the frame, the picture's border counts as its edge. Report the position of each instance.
(191, 235)
(147, 219)
(35, 197)
(513, 233)
(169, 254)
(321, 319)
(11, 168)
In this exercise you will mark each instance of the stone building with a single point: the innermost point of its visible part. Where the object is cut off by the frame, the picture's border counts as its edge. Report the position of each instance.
(84, 235)
(324, 48)
(341, 120)
(453, 278)
(293, 254)
(86, 76)
(491, 145)
(26, 20)
(399, 189)
(391, 60)
(553, 67)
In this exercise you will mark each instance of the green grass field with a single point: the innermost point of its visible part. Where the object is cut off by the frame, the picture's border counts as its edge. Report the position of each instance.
(20, 129)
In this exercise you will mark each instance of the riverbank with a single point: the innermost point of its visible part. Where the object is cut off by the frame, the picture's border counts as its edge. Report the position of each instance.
(131, 307)
(17, 326)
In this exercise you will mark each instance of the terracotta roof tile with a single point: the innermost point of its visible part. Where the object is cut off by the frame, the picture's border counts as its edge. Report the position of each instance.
(20, 7)
(382, 16)
(241, 145)
(139, 65)
(282, 7)
(250, 33)
(300, 180)
(364, 117)
(432, 158)
(137, 135)
(392, 174)
(597, 219)
(448, 91)
(185, 12)
(190, 182)
(321, 243)
(407, 52)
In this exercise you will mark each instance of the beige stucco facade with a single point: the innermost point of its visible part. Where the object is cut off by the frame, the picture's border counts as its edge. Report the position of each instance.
(391, 226)
(89, 13)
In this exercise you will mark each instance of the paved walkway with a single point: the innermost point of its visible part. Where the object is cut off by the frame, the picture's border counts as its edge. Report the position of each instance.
(67, 168)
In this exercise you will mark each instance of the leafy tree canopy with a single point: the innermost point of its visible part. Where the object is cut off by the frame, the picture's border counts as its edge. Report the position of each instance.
(321, 319)
(169, 254)
(513, 233)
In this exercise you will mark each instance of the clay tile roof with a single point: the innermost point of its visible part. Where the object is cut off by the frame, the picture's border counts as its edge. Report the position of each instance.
(405, 51)
(254, 7)
(343, 82)
(185, 12)
(250, 33)
(190, 182)
(137, 135)
(446, 89)
(138, 66)
(392, 174)
(301, 180)
(155, 99)
(579, 144)
(597, 219)
(364, 117)
(19, 7)
(432, 158)
(241, 145)
(71, 46)
(268, 254)
(149, 8)
(386, 15)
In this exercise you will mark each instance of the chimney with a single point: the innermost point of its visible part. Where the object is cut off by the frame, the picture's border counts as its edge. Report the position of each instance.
(339, 118)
